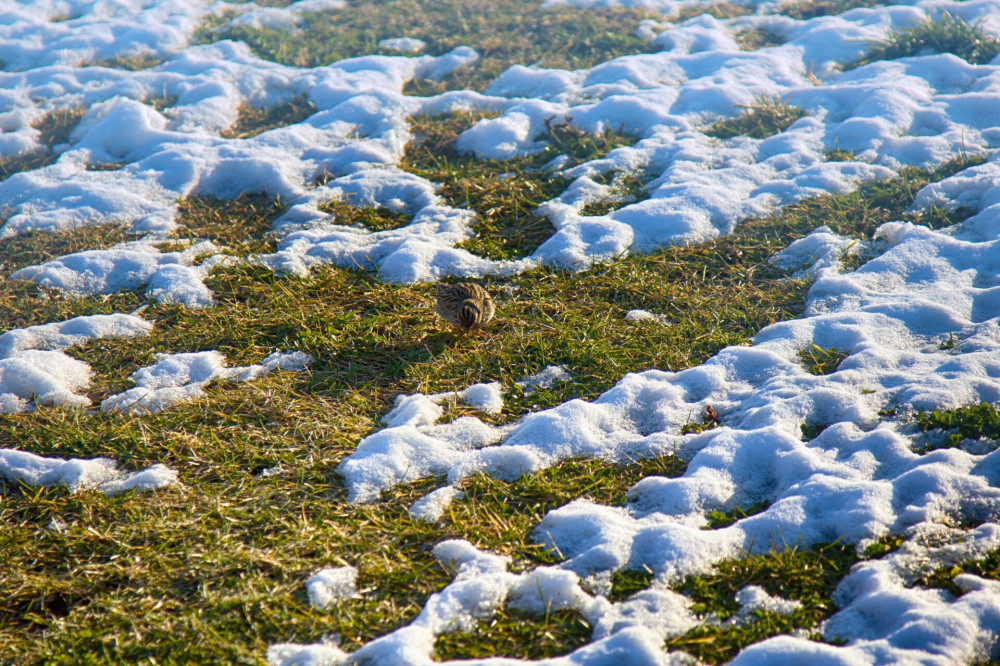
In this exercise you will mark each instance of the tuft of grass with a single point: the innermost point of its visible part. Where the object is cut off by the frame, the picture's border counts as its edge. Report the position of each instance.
(948, 343)
(502, 193)
(709, 420)
(161, 102)
(253, 121)
(860, 212)
(212, 218)
(626, 188)
(883, 546)
(807, 575)
(514, 634)
(53, 130)
(820, 361)
(981, 421)
(626, 582)
(752, 39)
(944, 577)
(720, 9)
(808, 9)
(838, 155)
(720, 519)
(104, 166)
(811, 431)
(133, 62)
(36, 247)
(504, 32)
(764, 117)
(947, 34)
(370, 217)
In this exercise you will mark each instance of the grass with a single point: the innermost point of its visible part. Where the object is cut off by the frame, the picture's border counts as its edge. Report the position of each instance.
(820, 361)
(137, 580)
(502, 193)
(252, 121)
(947, 34)
(53, 130)
(514, 634)
(133, 62)
(626, 188)
(751, 39)
(719, 519)
(208, 217)
(944, 577)
(980, 421)
(764, 117)
(806, 575)
(721, 9)
(504, 32)
(808, 9)
(860, 212)
(370, 217)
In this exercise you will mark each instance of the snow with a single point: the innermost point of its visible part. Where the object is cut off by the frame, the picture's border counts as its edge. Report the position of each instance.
(177, 378)
(549, 376)
(328, 586)
(171, 276)
(35, 371)
(643, 315)
(407, 45)
(859, 479)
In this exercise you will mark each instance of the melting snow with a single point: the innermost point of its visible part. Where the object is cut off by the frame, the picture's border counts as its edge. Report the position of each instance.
(328, 586)
(177, 378)
(859, 479)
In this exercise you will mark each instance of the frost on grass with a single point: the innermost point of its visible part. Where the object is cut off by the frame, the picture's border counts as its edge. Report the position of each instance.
(177, 378)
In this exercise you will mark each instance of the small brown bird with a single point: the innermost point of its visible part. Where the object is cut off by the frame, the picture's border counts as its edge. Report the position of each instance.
(465, 305)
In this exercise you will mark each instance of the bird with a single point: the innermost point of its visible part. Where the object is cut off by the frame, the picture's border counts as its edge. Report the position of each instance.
(464, 305)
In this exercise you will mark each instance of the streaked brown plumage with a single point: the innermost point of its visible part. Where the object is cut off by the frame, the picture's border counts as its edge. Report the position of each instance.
(465, 305)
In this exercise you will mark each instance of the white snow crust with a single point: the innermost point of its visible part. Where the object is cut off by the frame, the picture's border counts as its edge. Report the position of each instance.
(177, 378)
(328, 586)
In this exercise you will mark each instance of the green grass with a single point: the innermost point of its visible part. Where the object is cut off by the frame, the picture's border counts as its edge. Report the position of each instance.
(138, 580)
(720, 519)
(820, 361)
(720, 9)
(626, 188)
(944, 577)
(947, 34)
(133, 62)
(252, 121)
(504, 32)
(980, 421)
(212, 218)
(860, 212)
(502, 193)
(514, 634)
(626, 582)
(54, 129)
(806, 575)
(807, 9)
(751, 39)
(765, 117)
